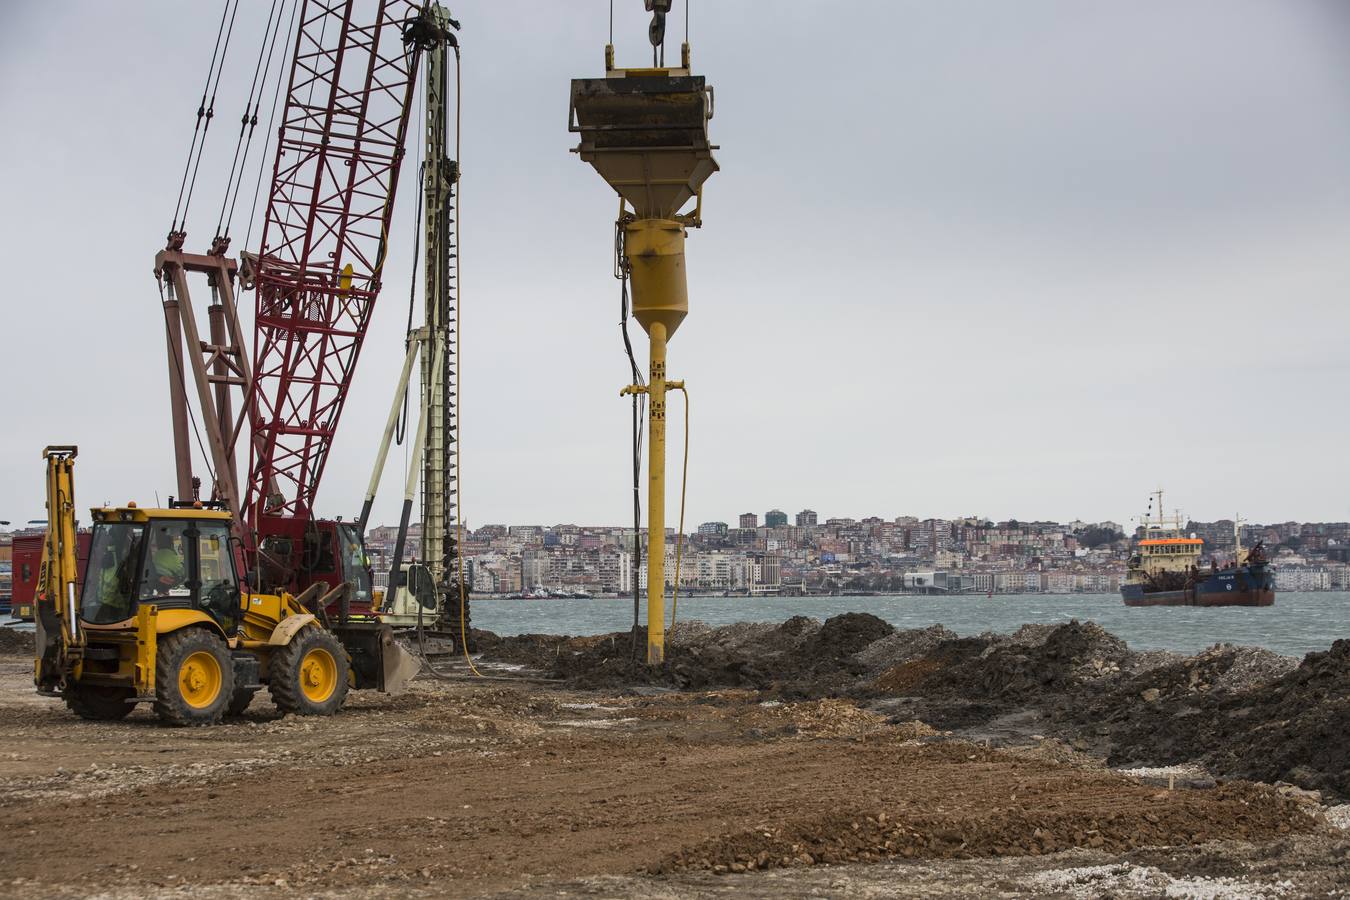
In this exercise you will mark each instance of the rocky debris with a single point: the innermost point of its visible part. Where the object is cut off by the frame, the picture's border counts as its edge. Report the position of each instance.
(968, 681)
(1339, 816)
(1240, 712)
(799, 658)
(902, 646)
(1292, 728)
(1057, 751)
(1246, 812)
(14, 641)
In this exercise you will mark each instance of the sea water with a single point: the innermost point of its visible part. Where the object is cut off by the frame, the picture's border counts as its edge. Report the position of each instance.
(1295, 625)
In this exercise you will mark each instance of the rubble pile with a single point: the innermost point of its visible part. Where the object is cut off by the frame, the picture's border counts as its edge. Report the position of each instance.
(16, 642)
(1241, 712)
(1291, 727)
(1244, 812)
(902, 647)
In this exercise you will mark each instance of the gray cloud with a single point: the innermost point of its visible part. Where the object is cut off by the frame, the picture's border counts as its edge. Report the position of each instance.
(974, 257)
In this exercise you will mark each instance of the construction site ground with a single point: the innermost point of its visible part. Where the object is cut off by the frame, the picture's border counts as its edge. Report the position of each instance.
(500, 788)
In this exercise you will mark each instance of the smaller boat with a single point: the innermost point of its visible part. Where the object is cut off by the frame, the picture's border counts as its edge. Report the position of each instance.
(1166, 570)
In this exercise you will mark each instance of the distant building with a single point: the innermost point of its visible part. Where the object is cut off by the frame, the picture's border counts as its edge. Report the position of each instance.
(806, 517)
(713, 529)
(775, 518)
(749, 520)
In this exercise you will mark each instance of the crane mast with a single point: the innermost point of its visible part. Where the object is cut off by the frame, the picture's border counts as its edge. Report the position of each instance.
(438, 392)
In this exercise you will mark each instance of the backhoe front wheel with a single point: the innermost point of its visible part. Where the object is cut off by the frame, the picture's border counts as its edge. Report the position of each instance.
(309, 675)
(194, 680)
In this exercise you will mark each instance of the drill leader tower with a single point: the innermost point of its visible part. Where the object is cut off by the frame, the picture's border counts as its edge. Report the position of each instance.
(646, 132)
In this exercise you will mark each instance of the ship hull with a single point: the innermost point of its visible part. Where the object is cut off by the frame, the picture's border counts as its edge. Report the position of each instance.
(1245, 586)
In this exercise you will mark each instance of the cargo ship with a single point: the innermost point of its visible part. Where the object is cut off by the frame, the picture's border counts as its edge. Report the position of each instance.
(1166, 569)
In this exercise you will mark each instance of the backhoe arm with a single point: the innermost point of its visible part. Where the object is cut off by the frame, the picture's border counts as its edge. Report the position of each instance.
(58, 622)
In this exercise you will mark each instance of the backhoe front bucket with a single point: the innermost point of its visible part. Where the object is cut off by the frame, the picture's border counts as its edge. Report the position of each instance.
(378, 662)
(400, 667)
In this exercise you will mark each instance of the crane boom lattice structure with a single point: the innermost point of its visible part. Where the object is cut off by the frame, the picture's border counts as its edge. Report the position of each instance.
(324, 242)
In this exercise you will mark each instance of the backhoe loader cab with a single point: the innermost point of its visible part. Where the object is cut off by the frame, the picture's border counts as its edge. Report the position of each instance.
(163, 617)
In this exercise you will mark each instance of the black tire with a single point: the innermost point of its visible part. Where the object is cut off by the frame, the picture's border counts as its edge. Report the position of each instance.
(186, 690)
(295, 668)
(99, 703)
(240, 700)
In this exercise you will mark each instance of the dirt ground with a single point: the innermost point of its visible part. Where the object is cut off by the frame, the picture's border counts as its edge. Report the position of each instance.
(523, 789)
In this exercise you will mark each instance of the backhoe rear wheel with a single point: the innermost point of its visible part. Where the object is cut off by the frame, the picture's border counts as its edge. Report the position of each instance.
(193, 677)
(309, 675)
(99, 703)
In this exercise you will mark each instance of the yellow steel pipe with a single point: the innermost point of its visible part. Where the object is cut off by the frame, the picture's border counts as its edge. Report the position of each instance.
(656, 497)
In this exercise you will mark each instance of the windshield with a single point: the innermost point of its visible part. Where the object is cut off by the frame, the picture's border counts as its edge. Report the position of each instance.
(110, 578)
(355, 566)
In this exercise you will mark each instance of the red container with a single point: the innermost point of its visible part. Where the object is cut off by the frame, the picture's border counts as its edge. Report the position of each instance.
(27, 564)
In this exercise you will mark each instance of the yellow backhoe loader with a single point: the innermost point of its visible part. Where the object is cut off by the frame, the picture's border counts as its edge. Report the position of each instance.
(163, 617)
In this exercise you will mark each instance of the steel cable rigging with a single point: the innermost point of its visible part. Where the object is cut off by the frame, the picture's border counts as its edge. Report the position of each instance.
(205, 113)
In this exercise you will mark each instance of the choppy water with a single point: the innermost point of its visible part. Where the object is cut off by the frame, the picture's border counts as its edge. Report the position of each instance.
(1295, 625)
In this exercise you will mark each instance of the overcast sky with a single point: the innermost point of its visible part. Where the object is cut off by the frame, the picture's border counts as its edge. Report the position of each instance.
(1024, 259)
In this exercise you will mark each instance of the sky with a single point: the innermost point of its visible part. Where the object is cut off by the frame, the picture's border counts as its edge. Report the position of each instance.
(1027, 260)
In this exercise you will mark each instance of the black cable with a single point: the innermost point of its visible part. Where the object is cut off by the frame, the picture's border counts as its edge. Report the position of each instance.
(637, 451)
(271, 118)
(210, 114)
(201, 112)
(401, 427)
(249, 120)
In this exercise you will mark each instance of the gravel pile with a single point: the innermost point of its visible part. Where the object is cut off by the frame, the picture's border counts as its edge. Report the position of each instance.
(1240, 712)
(902, 647)
(16, 642)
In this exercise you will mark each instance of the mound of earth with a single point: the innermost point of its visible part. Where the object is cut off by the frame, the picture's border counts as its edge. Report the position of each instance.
(16, 642)
(1291, 728)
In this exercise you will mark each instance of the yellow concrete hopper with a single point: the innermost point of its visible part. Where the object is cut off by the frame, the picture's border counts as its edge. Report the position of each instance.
(646, 132)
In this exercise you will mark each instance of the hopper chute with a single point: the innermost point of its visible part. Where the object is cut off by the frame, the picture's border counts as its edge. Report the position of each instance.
(646, 132)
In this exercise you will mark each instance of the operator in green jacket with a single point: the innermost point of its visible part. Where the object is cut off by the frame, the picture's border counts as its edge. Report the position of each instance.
(167, 570)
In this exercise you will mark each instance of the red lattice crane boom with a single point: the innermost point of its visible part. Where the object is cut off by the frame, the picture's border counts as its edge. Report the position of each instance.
(324, 241)
(318, 272)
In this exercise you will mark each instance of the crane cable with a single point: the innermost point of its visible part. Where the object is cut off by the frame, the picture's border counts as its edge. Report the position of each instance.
(248, 122)
(639, 415)
(679, 540)
(271, 118)
(205, 113)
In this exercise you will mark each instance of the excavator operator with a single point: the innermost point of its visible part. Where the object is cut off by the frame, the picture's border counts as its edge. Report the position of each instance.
(168, 570)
